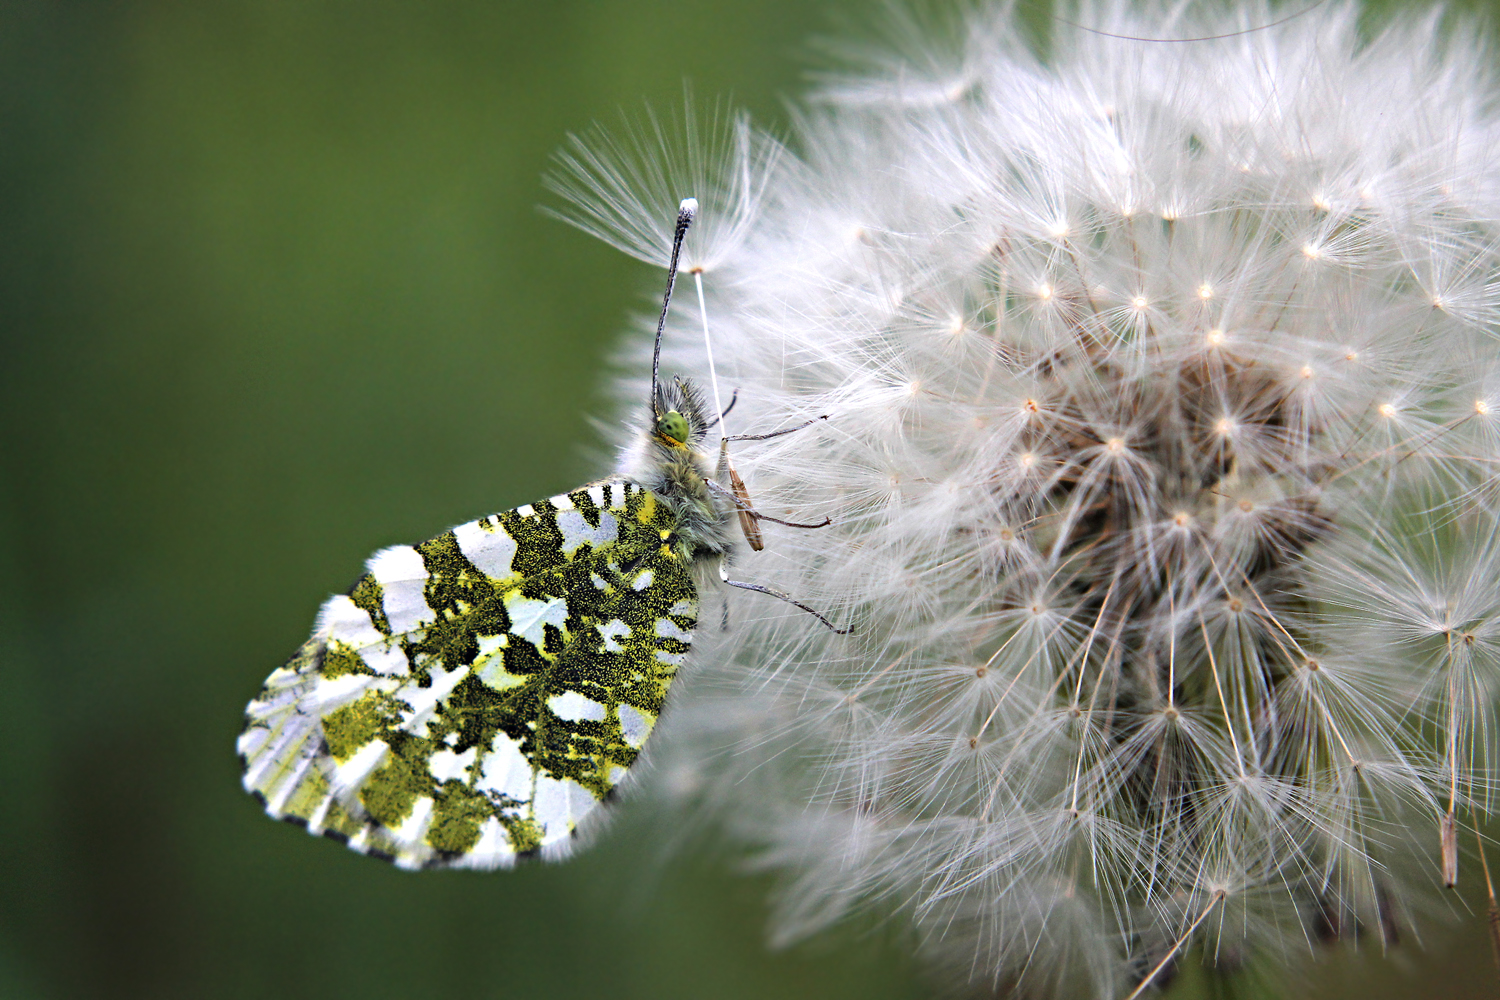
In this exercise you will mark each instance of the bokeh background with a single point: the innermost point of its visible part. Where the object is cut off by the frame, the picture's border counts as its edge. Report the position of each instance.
(275, 292)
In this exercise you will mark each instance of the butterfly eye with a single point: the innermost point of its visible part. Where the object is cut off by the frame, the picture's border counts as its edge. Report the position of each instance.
(673, 426)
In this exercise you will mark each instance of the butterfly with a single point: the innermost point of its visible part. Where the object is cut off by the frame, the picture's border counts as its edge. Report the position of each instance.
(474, 697)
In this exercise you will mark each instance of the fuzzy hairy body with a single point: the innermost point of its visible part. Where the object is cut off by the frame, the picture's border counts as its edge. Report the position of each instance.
(678, 474)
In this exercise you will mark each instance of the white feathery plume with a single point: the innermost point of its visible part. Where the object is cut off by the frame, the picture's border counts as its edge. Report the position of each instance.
(1163, 398)
(625, 189)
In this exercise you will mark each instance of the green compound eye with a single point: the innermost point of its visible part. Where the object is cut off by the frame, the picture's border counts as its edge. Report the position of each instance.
(673, 426)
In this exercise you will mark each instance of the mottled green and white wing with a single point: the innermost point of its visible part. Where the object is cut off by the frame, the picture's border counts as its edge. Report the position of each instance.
(474, 697)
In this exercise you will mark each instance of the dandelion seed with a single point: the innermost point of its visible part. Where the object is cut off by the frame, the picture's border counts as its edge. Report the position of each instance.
(1179, 595)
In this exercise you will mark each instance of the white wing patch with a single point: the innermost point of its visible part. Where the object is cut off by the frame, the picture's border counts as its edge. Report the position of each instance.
(574, 707)
(576, 532)
(528, 616)
(488, 546)
(667, 630)
(445, 764)
(506, 770)
(342, 621)
(424, 701)
(560, 805)
(402, 577)
(612, 632)
(335, 692)
(635, 725)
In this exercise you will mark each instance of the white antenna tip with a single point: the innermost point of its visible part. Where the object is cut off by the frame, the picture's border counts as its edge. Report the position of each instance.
(688, 207)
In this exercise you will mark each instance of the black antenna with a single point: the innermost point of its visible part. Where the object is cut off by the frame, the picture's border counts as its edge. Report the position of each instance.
(685, 212)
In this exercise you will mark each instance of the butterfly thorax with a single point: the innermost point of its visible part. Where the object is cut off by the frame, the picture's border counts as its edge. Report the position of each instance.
(675, 466)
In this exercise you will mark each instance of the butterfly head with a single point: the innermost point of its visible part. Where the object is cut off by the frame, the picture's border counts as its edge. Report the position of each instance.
(679, 418)
(673, 428)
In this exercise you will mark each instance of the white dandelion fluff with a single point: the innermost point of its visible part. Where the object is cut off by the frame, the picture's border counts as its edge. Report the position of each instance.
(1161, 454)
(626, 190)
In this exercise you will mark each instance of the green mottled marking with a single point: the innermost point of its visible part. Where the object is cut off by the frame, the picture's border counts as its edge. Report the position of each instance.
(392, 790)
(369, 596)
(554, 599)
(539, 542)
(525, 835)
(339, 660)
(468, 603)
(586, 507)
(351, 727)
(457, 817)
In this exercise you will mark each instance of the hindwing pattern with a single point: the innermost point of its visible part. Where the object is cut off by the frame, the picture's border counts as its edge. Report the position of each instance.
(473, 697)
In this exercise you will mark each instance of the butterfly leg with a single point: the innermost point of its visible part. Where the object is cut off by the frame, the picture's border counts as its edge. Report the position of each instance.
(742, 504)
(776, 434)
(761, 588)
(734, 397)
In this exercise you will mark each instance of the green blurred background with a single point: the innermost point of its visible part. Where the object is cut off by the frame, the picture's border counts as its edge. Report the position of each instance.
(275, 293)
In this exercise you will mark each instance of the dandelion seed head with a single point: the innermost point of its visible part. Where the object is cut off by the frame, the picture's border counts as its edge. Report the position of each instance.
(1161, 461)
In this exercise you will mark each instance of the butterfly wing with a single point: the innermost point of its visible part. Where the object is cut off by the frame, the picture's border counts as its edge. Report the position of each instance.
(475, 696)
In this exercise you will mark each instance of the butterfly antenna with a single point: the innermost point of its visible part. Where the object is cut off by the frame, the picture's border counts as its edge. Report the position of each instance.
(685, 213)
